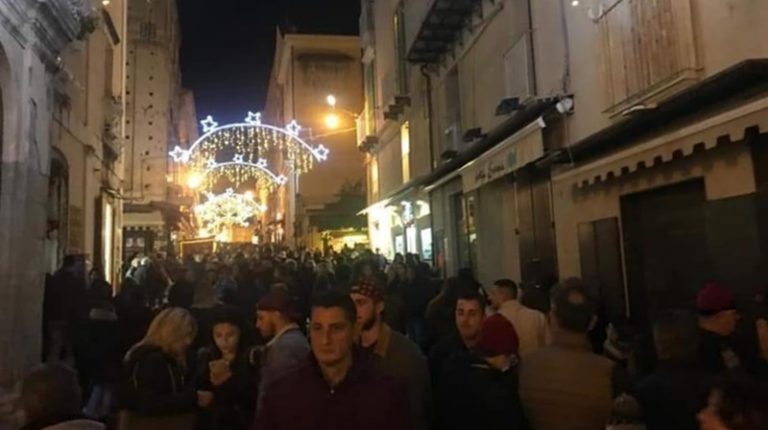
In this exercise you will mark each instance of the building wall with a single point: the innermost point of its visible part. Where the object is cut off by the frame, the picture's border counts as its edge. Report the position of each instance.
(87, 125)
(307, 68)
(27, 71)
(152, 97)
(720, 41)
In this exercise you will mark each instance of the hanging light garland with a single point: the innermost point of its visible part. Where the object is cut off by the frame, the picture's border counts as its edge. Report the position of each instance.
(227, 209)
(238, 172)
(251, 141)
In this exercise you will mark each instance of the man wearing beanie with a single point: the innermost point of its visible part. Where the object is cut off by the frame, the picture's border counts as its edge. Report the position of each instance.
(391, 352)
(480, 387)
(287, 347)
(718, 319)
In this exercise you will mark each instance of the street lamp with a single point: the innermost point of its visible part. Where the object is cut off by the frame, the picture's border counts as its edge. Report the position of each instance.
(195, 180)
(332, 121)
(331, 100)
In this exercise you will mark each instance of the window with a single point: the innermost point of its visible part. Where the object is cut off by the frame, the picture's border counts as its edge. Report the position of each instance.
(375, 177)
(400, 49)
(109, 57)
(405, 150)
(148, 31)
(648, 50)
(370, 99)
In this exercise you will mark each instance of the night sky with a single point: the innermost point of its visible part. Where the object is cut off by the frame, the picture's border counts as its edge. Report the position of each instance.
(228, 46)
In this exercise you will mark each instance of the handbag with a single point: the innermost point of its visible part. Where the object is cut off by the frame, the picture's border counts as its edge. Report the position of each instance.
(129, 420)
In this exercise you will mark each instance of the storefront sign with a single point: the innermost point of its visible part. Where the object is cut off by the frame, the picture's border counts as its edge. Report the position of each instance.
(516, 151)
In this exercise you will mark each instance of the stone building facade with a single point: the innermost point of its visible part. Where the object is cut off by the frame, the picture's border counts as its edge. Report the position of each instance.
(617, 140)
(34, 38)
(308, 68)
(153, 99)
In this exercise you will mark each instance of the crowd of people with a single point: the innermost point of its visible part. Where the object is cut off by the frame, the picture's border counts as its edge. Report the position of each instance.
(260, 338)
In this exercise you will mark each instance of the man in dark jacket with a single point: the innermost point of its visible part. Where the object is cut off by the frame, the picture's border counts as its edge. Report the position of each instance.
(672, 396)
(718, 320)
(469, 315)
(339, 389)
(287, 347)
(390, 351)
(479, 389)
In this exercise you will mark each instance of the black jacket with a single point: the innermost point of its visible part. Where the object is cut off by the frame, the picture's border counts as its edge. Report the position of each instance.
(154, 384)
(234, 403)
(474, 395)
(672, 396)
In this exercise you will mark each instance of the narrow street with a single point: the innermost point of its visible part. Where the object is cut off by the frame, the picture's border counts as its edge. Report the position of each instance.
(383, 214)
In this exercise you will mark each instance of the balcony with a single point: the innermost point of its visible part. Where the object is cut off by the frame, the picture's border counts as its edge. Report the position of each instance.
(61, 22)
(392, 94)
(440, 29)
(366, 130)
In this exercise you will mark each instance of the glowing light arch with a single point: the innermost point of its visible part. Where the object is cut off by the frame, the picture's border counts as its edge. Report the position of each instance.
(250, 140)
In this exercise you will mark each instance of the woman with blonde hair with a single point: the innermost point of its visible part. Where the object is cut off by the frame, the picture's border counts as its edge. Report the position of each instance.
(156, 390)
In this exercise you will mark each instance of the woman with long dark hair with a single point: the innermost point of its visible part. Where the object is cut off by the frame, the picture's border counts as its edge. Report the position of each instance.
(228, 368)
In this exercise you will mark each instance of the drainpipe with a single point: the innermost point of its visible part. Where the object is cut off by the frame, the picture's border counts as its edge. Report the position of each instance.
(430, 139)
(532, 47)
(566, 78)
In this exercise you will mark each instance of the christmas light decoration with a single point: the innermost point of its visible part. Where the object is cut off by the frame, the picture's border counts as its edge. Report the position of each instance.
(225, 210)
(238, 173)
(250, 141)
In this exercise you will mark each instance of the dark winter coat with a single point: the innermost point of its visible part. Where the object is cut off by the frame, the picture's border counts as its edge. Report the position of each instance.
(717, 353)
(365, 399)
(234, 401)
(671, 397)
(154, 384)
(444, 350)
(99, 345)
(474, 395)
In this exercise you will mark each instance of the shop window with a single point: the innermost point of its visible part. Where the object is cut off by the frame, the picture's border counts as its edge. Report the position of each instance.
(405, 149)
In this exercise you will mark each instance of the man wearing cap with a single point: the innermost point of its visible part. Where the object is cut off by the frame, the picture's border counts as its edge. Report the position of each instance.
(479, 388)
(718, 319)
(287, 347)
(391, 352)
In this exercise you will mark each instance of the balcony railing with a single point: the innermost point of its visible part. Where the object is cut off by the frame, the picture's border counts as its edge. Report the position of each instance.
(440, 29)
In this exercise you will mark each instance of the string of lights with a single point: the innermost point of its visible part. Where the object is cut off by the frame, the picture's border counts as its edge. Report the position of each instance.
(222, 211)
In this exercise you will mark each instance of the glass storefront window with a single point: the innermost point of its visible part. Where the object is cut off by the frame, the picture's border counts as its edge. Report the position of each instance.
(400, 244)
(410, 236)
(426, 244)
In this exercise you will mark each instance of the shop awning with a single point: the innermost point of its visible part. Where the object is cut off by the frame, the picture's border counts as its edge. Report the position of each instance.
(735, 83)
(516, 122)
(724, 127)
(522, 148)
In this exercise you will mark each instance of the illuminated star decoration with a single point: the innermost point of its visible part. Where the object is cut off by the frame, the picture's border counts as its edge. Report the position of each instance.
(209, 124)
(293, 128)
(210, 164)
(322, 152)
(179, 154)
(238, 158)
(281, 179)
(253, 118)
(262, 163)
